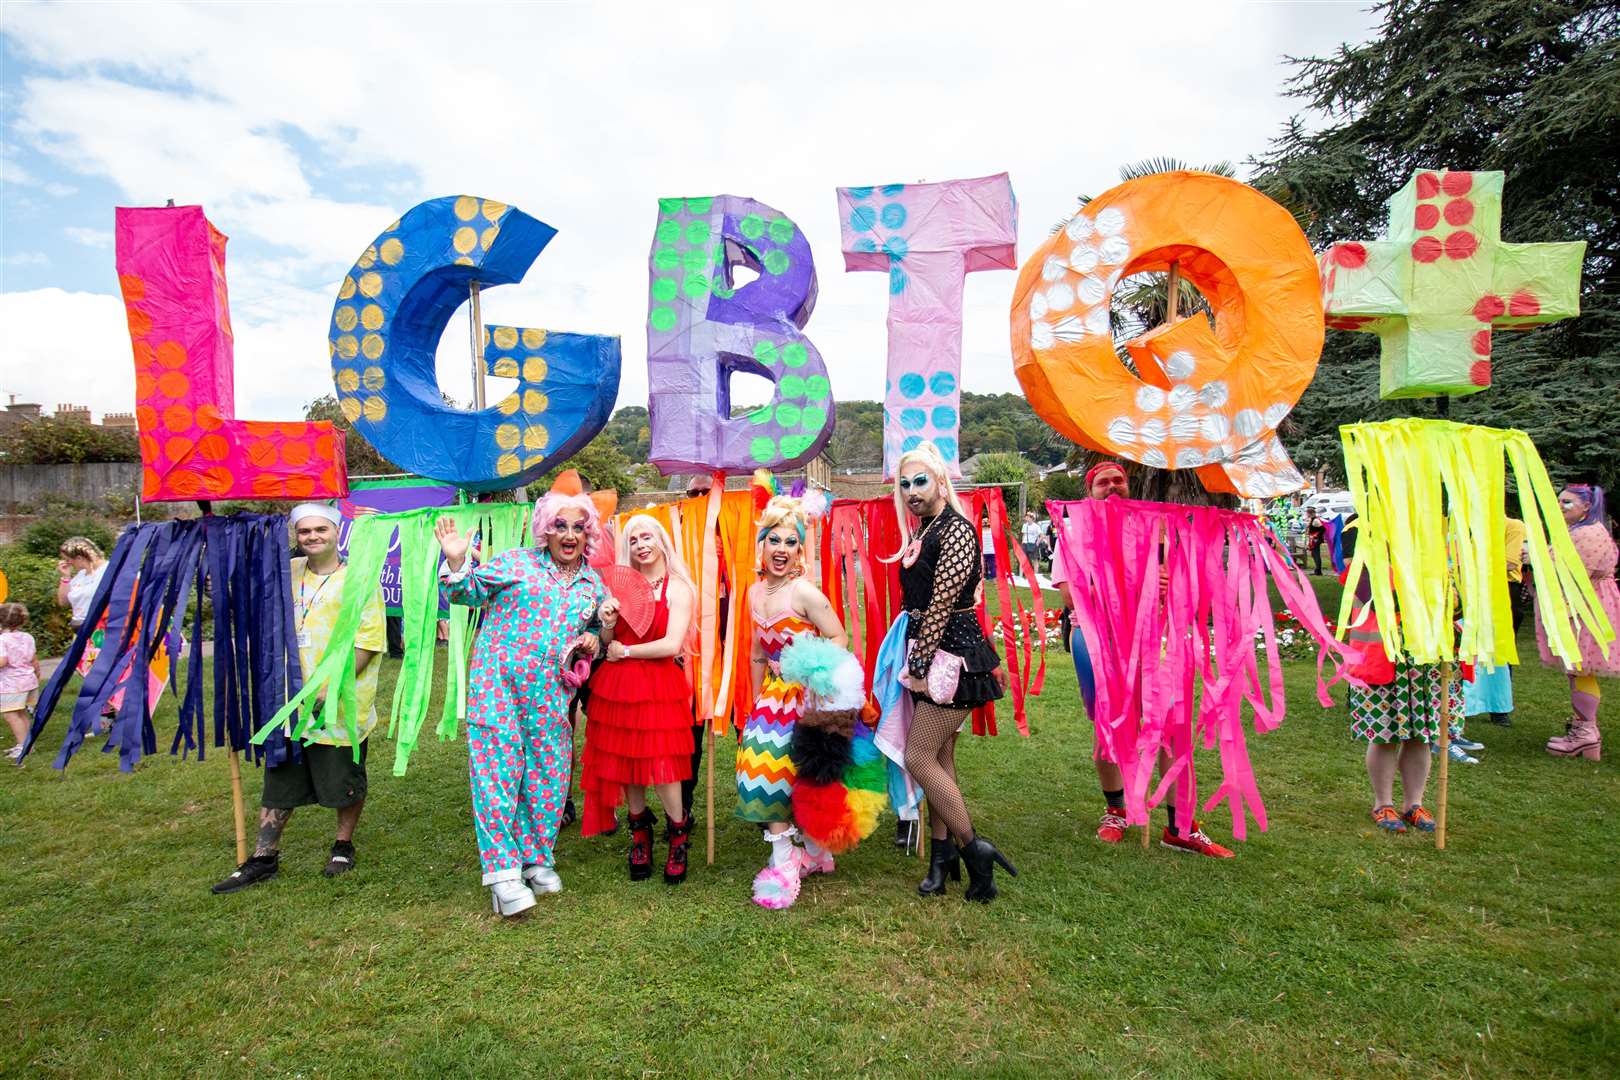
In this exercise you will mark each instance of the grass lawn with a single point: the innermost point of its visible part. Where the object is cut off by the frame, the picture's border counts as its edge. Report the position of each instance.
(1323, 949)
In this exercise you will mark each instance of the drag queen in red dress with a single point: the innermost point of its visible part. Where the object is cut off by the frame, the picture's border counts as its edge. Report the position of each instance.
(638, 728)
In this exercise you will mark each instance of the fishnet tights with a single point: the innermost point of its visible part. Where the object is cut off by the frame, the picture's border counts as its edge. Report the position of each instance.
(931, 761)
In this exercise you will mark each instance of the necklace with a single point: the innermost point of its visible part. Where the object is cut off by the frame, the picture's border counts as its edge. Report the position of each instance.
(566, 574)
(914, 549)
(773, 589)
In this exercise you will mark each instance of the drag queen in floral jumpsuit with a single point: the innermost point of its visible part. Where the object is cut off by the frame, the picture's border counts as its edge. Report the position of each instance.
(540, 603)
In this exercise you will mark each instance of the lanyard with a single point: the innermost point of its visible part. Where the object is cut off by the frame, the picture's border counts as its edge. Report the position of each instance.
(305, 604)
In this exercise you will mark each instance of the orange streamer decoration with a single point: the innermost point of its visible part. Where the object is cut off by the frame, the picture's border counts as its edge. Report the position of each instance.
(713, 536)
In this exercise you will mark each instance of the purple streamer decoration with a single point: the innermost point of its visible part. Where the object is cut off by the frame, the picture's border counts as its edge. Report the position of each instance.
(240, 563)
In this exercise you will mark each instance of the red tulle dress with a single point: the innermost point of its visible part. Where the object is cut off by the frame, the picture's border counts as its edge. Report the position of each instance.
(638, 724)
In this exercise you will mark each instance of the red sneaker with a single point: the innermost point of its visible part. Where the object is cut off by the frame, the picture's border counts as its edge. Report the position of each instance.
(1111, 829)
(1194, 842)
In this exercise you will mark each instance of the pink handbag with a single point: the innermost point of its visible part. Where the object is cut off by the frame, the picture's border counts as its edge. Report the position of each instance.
(944, 673)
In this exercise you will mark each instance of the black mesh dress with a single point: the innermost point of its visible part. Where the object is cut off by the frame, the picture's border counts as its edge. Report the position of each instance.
(939, 590)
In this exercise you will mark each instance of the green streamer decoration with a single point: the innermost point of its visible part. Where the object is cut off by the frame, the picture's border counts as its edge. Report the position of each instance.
(495, 527)
(1432, 526)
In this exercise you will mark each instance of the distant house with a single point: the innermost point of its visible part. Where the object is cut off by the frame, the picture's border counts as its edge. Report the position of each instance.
(17, 412)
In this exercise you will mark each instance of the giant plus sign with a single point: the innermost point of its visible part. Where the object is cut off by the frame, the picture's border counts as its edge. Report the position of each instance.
(1442, 281)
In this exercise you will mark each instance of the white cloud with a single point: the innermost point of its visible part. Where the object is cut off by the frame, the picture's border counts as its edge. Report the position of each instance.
(584, 116)
(26, 258)
(66, 347)
(13, 174)
(92, 238)
(63, 346)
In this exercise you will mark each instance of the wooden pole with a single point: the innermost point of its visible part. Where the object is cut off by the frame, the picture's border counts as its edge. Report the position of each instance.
(708, 809)
(923, 827)
(1147, 829)
(1445, 755)
(237, 809)
(476, 336)
(1173, 302)
(238, 812)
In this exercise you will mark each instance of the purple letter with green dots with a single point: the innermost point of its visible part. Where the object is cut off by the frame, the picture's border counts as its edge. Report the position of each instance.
(393, 307)
(701, 329)
(927, 238)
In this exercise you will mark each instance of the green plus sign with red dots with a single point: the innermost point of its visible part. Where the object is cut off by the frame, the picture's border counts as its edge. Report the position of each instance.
(1443, 280)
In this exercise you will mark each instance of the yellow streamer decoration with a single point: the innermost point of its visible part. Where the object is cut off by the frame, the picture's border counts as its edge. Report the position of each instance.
(1430, 495)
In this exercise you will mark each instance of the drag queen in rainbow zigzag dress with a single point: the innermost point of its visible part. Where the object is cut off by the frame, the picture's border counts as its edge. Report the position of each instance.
(785, 606)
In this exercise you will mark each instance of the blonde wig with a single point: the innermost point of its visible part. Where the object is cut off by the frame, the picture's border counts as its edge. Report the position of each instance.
(782, 512)
(928, 456)
(673, 567)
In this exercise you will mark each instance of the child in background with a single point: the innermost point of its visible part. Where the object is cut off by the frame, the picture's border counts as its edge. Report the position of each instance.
(19, 673)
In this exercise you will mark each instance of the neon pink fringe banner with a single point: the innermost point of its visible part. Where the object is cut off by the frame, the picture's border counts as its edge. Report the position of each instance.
(1173, 604)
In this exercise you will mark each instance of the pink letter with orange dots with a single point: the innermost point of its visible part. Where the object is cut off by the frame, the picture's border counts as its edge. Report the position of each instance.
(171, 267)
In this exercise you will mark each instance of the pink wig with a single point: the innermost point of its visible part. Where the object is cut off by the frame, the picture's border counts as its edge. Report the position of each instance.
(553, 504)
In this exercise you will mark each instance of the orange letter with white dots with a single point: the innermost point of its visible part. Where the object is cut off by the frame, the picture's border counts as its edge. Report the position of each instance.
(1202, 397)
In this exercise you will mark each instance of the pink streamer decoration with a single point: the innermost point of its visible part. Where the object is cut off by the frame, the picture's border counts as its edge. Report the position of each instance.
(1152, 646)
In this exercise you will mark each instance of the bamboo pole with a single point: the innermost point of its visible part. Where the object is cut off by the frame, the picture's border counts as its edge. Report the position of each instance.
(1445, 755)
(237, 810)
(1173, 302)
(708, 809)
(476, 337)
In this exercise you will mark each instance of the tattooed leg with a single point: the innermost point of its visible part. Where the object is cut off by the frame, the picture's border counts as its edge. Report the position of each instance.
(271, 822)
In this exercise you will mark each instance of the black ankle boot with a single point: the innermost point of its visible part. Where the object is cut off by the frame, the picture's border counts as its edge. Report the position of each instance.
(641, 841)
(942, 863)
(981, 857)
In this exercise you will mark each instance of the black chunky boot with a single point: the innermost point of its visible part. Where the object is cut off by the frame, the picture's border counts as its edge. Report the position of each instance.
(641, 841)
(942, 863)
(981, 857)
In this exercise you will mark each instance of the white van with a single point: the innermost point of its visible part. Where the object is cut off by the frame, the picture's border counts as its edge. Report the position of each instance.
(1330, 504)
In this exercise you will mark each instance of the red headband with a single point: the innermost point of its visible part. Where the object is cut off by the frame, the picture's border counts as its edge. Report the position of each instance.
(1102, 466)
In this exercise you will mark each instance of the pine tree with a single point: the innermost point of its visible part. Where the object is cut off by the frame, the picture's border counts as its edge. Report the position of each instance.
(1525, 87)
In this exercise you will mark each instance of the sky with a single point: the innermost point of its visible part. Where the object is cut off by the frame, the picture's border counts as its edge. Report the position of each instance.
(304, 131)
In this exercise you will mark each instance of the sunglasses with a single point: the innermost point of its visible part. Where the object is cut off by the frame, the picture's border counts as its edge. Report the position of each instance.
(919, 482)
(576, 528)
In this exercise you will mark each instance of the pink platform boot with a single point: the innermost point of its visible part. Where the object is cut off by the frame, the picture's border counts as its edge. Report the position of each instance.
(1581, 740)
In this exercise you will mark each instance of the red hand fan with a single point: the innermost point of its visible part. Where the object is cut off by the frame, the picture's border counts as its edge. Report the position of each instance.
(635, 597)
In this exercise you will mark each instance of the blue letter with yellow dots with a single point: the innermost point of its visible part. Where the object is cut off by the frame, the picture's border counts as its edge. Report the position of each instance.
(393, 307)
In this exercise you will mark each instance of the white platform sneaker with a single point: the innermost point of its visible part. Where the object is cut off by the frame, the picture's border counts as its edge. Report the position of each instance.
(511, 898)
(542, 879)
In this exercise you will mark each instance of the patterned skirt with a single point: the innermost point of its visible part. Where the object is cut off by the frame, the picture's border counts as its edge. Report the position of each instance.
(765, 771)
(1406, 708)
